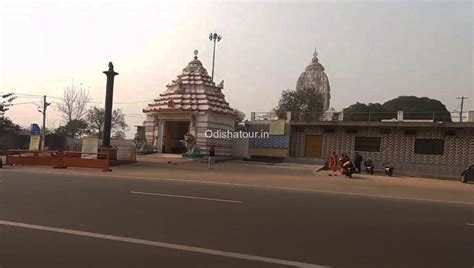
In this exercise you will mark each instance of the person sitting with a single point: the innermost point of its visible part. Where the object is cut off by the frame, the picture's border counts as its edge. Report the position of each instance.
(368, 162)
(369, 166)
(347, 168)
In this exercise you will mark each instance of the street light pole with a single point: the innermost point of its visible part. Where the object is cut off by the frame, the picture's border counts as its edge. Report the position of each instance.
(214, 37)
(462, 106)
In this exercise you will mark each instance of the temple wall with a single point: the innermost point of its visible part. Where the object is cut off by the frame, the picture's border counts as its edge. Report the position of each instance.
(214, 122)
(154, 129)
(150, 129)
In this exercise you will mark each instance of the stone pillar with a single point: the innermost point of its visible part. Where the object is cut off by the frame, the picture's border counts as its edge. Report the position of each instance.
(160, 129)
(400, 116)
(288, 117)
(470, 116)
(109, 95)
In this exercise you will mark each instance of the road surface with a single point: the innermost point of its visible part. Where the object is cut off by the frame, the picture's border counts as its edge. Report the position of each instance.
(77, 220)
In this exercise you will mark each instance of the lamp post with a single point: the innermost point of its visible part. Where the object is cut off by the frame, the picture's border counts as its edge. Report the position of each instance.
(214, 37)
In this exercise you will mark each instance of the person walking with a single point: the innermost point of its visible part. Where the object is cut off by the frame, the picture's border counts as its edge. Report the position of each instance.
(358, 162)
(211, 158)
(333, 162)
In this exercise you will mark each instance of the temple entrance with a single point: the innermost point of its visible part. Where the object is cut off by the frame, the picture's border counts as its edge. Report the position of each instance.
(174, 132)
(314, 146)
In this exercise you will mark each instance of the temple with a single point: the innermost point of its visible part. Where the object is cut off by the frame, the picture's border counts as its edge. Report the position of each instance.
(192, 103)
(314, 78)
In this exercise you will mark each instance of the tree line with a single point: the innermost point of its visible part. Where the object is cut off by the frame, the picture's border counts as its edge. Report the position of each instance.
(307, 105)
(77, 119)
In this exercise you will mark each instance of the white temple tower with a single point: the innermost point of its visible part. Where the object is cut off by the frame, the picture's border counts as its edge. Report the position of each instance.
(314, 78)
(192, 103)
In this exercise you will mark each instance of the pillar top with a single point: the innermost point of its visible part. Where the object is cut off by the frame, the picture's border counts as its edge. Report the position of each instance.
(111, 70)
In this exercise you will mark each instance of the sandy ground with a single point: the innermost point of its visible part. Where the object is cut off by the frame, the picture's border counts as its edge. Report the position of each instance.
(292, 176)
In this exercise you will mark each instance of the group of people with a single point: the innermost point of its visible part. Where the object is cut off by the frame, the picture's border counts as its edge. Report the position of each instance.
(348, 167)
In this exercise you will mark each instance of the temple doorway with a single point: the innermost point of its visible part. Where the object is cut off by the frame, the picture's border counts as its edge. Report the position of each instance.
(173, 134)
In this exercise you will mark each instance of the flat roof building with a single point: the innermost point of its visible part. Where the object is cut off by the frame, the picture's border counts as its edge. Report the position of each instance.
(425, 148)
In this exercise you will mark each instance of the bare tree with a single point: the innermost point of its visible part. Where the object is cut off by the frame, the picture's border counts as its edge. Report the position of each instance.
(74, 104)
(95, 121)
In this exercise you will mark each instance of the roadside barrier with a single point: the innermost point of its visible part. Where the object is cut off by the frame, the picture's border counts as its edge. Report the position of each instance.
(86, 160)
(59, 159)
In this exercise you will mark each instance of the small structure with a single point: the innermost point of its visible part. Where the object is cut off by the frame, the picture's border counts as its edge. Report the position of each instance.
(192, 104)
(276, 145)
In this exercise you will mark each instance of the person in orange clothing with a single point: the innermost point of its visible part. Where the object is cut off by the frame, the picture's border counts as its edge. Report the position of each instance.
(333, 162)
(344, 158)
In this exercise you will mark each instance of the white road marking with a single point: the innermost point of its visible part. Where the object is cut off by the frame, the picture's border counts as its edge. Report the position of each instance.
(188, 197)
(253, 186)
(161, 245)
(472, 224)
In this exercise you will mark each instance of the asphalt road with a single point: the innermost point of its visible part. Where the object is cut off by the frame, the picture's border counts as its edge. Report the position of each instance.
(50, 220)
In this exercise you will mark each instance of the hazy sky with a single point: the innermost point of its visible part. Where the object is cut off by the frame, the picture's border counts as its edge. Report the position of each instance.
(372, 51)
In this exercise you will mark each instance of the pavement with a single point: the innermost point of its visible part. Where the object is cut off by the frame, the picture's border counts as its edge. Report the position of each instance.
(160, 214)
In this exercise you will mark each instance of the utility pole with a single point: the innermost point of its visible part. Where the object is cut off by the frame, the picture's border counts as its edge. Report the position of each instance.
(214, 37)
(462, 98)
(43, 130)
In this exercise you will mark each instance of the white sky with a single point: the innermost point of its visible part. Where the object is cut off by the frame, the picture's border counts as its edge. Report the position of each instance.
(372, 51)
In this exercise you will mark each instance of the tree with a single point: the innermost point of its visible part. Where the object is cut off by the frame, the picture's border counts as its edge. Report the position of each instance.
(73, 129)
(311, 101)
(73, 109)
(288, 102)
(303, 104)
(419, 108)
(74, 104)
(5, 103)
(366, 112)
(412, 106)
(239, 118)
(6, 125)
(95, 119)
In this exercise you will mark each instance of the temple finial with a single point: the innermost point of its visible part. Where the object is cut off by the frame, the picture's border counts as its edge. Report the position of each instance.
(315, 55)
(196, 52)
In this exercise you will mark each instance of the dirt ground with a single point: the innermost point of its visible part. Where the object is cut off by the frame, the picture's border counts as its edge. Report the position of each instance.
(288, 176)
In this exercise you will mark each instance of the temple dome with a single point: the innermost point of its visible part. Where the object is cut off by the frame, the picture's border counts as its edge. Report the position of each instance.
(314, 78)
(195, 67)
(193, 90)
